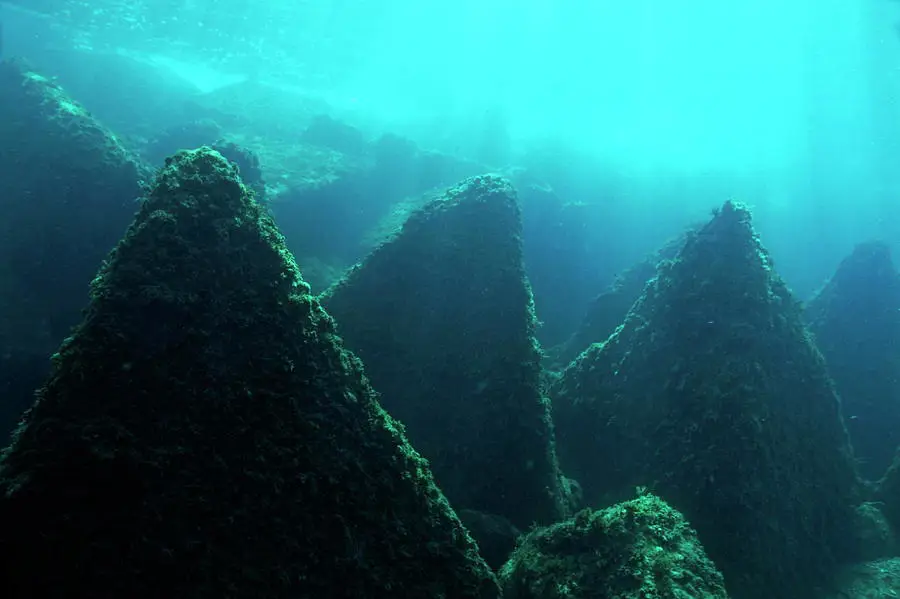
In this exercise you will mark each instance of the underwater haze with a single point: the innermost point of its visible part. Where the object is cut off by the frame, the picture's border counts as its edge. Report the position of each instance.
(790, 107)
(421, 299)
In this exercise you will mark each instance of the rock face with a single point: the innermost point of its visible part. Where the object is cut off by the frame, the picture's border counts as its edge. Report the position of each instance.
(876, 579)
(637, 549)
(204, 434)
(68, 191)
(442, 316)
(856, 321)
(888, 493)
(713, 395)
(609, 309)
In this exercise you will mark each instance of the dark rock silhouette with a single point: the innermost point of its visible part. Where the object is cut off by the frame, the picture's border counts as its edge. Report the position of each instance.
(496, 535)
(856, 322)
(204, 434)
(608, 310)
(442, 316)
(559, 257)
(182, 136)
(713, 395)
(67, 193)
(336, 212)
(21, 374)
(248, 165)
(641, 548)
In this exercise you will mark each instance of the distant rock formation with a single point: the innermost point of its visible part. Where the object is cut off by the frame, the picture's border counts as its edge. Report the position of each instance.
(69, 189)
(637, 549)
(443, 318)
(204, 434)
(609, 309)
(713, 395)
(336, 211)
(856, 322)
(560, 256)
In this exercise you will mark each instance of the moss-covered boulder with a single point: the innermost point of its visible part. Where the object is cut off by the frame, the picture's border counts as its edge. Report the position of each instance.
(204, 434)
(856, 322)
(713, 394)
(638, 549)
(442, 316)
(68, 188)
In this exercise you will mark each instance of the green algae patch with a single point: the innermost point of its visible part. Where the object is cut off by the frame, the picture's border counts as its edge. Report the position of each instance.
(204, 433)
(443, 317)
(638, 549)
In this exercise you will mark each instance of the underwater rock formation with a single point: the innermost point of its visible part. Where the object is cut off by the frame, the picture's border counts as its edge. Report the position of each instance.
(496, 535)
(204, 434)
(247, 163)
(69, 189)
(876, 579)
(183, 136)
(442, 316)
(713, 395)
(856, 322)
(327, 131)
(873, 535)
(559, 257)
(608, 310)
(338, 211)
(637, 549)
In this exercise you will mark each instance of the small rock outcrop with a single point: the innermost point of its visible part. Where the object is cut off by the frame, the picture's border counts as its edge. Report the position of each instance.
(641, 548)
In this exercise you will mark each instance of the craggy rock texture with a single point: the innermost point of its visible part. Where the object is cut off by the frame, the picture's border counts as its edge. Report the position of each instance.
(856, 322)
(713, 395)
(639, 549)
(609, 309)
(442, 316)
(203, 433)
(67, 193)
(876, 579)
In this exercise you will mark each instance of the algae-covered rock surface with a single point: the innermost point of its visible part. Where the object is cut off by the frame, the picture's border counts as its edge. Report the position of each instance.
(877, 579)
(638, 549)
(204, 434)
(713, 394)
(442, 315)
